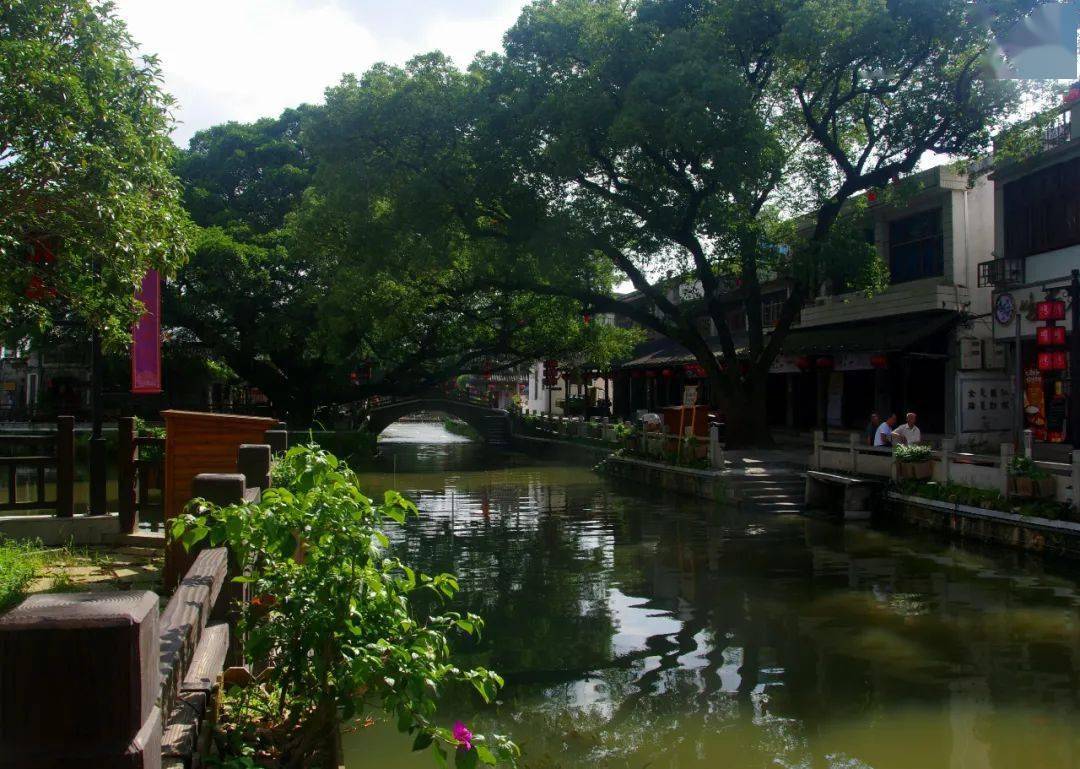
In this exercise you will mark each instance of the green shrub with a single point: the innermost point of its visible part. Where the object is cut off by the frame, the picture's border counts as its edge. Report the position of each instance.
(1025, 467)
(335, 622)
(915, 453)
(986, 499)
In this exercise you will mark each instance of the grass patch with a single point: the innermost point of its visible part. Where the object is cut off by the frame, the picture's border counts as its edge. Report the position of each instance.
(19, 563)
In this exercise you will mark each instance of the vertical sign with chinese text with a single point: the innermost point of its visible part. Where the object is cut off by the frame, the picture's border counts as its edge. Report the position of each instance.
(146, 338)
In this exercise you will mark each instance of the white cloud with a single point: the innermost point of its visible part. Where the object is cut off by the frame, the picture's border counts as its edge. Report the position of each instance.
(245, 59)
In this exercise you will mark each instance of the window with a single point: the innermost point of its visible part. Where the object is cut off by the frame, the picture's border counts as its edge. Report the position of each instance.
(916, 247)
(1042, 211)
(772, 306)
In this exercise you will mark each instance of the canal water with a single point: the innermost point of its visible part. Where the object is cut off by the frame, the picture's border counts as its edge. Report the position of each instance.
(638, 629)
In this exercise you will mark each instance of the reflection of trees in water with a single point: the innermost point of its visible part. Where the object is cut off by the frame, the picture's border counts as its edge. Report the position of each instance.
(775, 632)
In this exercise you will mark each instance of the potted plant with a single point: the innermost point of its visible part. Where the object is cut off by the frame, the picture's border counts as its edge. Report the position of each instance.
(626, 434)
(914, 462)
(1029, 481)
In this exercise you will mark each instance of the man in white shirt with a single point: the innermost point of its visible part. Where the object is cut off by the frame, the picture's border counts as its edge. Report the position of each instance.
(908, 433)
(884, 434)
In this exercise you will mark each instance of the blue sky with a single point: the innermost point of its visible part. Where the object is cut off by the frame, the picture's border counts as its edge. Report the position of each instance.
(244, 59)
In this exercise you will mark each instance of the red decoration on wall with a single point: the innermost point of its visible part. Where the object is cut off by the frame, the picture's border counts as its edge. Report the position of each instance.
(146, 338)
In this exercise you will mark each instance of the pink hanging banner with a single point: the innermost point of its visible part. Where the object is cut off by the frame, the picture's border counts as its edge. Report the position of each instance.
(146, 338)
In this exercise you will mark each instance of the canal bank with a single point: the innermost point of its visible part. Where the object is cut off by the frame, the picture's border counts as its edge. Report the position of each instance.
(638, 627)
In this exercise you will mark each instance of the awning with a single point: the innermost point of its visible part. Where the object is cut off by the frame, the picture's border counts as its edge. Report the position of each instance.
(882, 335)
(665, 352)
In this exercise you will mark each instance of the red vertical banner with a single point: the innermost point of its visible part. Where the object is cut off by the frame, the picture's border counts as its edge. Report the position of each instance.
(146, 338)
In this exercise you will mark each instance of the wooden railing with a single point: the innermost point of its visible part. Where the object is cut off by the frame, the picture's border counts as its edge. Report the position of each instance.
(137, 475)
(53, 450)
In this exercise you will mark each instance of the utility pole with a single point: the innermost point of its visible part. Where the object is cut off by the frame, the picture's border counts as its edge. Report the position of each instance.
(1074, 357)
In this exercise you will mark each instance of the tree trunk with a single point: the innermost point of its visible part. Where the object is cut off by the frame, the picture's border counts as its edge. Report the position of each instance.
(746, 418)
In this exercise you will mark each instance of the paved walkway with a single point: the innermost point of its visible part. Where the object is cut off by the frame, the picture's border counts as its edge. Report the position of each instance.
(89, 569)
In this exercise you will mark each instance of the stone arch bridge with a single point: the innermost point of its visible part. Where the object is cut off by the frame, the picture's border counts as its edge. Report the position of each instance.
(493, 425)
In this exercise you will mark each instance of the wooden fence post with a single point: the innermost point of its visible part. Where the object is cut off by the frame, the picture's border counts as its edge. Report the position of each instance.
(81, 681)
(125, 475)
(253, 460)
(65, 467)
(1003, 470)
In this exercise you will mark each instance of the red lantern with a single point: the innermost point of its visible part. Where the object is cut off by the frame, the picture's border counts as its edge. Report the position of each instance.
(1051, 309)
(802, 363)
(879, 361)
(1051, 336)
(825, 363)
(666, 373)
(1052, 361)
(650, 374)
(635, 374)
(586, 318)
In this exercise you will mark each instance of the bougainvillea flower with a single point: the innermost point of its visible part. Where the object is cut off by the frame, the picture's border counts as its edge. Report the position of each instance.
(462, 735)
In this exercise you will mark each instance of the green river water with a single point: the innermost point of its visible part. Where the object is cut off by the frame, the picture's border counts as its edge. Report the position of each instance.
(639, 629)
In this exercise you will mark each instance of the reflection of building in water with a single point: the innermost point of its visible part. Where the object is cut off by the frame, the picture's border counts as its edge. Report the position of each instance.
(969, 710)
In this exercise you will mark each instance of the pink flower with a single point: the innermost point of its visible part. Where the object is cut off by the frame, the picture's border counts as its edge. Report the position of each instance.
(462, 735)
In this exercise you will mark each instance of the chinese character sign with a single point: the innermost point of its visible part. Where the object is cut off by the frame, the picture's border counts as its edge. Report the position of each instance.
(146, 338)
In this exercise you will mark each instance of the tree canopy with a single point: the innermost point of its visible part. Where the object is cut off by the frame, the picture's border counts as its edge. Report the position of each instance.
(88, 199)
(712, 144)
(322, 293)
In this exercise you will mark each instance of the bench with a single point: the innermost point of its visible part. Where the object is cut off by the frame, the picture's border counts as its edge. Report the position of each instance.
(853, 496)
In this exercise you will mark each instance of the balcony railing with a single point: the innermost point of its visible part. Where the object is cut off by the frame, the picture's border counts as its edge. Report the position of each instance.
(1001, 273)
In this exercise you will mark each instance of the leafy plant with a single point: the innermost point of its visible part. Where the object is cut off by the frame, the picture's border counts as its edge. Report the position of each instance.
(915, 453)
(145, 429)
(18, 565)
(1025, 467)
(624, 430)
(334, 622)
(987, 499)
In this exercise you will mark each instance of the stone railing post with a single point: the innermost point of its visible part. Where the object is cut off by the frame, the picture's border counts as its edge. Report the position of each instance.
(716, 453)
(253, 461)
(57, 711)
(819, 438)
(278, 441)
(948, 448)
(1029, 444)
(1003, 470)
(853, 450)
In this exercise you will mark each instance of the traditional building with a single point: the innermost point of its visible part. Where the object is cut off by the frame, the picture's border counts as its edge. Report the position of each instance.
(1036, 249)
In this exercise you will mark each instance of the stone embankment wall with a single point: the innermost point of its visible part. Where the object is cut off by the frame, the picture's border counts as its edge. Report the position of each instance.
(1020, 531)
(705, 484)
